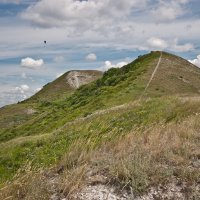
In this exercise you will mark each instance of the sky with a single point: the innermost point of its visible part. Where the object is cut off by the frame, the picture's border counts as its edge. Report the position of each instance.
(87, 34)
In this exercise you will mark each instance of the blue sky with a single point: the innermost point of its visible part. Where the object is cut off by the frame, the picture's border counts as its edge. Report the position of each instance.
(89, 34)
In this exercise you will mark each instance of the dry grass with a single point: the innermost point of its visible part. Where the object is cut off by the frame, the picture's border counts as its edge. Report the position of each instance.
(139, 160)
(156, 156)
(134, 162)
(28, 185)
(73, 180)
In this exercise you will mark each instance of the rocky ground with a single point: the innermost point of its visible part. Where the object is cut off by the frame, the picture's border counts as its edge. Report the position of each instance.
(97, 188)
(171, 191)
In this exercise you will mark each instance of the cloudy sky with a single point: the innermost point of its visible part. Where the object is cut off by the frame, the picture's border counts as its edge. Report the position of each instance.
(87, 34)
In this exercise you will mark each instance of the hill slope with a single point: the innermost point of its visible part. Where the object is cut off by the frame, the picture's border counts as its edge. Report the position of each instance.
(176, 76)
(35, 107)
(152, 75)
(123, 127)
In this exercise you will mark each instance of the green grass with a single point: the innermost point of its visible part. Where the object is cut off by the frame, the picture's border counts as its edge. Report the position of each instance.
(117, 86)
(128, 144)
(47, 151)
(87, 99)
(47, 138)
(59, 89)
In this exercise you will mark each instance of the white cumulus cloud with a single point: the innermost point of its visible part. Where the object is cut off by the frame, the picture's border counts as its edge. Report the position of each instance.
(22, 89)
(31, 63)
(157, 43)
(25, 87)
(108, 65)
(59, 75)
(38, 89)
(196, 61)
(91, 57)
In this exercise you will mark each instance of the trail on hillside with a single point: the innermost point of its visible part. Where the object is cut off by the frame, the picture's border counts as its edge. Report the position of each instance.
(23, 139)
(153, 74)
(20, 140)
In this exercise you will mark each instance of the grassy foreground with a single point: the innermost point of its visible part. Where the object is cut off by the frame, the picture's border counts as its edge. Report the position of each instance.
(136, 146)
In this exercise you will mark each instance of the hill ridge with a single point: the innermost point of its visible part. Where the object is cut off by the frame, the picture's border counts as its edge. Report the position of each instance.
(106, 120)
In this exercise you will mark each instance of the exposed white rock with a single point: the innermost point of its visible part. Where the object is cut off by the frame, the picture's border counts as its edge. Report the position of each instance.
(77, 78)
(99, 192)
(30, 111)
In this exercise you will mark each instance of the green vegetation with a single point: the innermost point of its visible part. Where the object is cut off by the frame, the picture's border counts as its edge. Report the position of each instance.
(60, 88)
(87, 99)
(104, 126)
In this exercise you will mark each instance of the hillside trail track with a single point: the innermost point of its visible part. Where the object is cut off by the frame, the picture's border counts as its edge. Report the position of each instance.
(23, 139)
(152, 76)
(20, 140)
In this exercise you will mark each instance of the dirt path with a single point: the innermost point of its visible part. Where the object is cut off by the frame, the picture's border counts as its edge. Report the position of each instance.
(23, 139)
(153, 74)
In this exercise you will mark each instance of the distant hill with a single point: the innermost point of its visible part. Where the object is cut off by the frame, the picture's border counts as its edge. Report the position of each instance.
(66, 84)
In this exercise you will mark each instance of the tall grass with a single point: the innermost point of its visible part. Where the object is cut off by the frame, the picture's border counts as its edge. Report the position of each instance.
(134, 147)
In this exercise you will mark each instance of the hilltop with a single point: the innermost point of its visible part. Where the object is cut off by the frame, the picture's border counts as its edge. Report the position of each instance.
(133, 129)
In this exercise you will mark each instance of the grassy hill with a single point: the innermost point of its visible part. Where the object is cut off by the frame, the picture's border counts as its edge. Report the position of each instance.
(114, 127)
(63, 86)
(42, 103)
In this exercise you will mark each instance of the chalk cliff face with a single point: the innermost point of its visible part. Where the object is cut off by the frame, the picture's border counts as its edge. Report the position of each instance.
(77, 78)
(66, 84)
